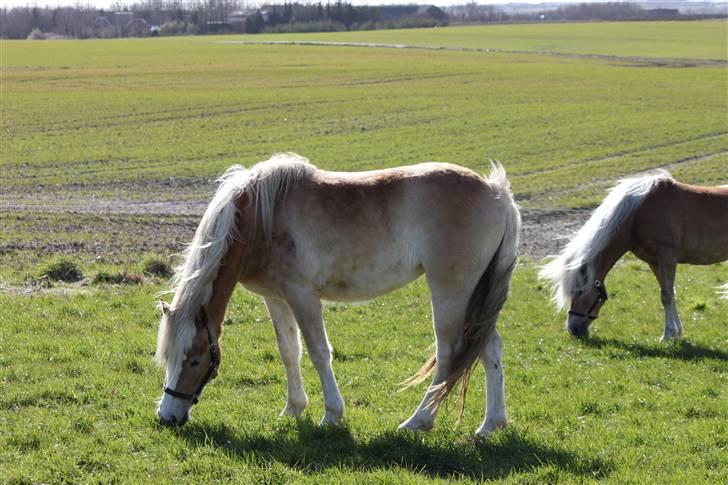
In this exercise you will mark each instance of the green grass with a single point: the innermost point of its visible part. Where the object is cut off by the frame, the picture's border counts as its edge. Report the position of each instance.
(79, 390)
(689, 40)
(98, 137)
(118, 119)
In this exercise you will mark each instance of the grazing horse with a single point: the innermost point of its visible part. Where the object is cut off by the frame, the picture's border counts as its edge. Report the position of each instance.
(661, 221)
(297, 235)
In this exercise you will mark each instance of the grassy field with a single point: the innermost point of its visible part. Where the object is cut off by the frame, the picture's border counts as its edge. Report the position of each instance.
(108, 150)
(670, 40)
(117, 119)
(79, 391)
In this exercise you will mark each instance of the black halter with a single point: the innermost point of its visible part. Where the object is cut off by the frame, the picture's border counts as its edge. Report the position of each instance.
(211, 374)
(600, 299)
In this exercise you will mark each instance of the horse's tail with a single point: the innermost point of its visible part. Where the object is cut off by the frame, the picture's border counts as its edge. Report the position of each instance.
(723, 291)
(485, 303)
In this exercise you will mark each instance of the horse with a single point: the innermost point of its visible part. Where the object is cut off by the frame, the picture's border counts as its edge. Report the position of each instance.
(663, 222)
(296, 235)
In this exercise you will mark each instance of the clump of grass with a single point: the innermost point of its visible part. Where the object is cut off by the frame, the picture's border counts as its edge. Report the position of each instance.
(103, 277)
(61, 269)
(698, 305)
(157, 267)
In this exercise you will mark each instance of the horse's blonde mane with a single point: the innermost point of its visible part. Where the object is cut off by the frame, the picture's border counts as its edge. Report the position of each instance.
(266, 183)
(623, 199)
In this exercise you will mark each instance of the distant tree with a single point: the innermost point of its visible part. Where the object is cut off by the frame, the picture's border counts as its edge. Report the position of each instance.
(254, 23)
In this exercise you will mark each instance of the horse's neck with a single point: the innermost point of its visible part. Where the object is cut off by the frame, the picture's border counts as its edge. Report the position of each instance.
(246, 257)
(617, 247)
(223, 286)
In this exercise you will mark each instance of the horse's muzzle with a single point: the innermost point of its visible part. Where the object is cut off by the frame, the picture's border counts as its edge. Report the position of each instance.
(579, 332)
(578, 327)
(173, 420)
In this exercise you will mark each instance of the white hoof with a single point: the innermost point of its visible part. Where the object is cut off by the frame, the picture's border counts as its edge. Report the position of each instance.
(294, 409)
(333, 416)
(491, 426)
(415, 424)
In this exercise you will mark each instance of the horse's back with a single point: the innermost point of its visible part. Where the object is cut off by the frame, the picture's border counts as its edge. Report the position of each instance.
(689, 220)
(432, 203)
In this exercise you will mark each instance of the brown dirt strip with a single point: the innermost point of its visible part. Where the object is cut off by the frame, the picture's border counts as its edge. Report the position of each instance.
(544, 232)
(629, 61)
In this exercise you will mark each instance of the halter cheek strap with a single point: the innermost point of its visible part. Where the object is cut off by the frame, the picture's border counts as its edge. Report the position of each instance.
(601, 298)
(210, 375)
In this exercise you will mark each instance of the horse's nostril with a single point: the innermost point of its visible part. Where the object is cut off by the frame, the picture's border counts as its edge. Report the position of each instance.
(578, 332)
(173, 420)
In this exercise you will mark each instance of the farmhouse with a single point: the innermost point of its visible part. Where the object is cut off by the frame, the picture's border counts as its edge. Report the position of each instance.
(138, 27)
(102, 27)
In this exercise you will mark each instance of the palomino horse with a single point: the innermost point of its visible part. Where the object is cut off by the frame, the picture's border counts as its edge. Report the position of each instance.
(296, 235)
(662, 221)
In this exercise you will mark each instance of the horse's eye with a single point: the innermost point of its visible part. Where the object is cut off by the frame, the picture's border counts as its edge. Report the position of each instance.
(194, 362)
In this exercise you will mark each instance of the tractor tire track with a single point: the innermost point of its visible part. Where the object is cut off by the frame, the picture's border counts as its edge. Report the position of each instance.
(630, 61)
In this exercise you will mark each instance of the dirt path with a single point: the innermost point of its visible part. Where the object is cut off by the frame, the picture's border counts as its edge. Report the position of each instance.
(546, 231)
(116, 226)
(640, 61)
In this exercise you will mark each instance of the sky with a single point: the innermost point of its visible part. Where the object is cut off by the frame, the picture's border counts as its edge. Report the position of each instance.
(106, 4)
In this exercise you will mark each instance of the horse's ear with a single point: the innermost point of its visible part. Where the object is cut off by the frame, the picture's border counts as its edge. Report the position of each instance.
(166, 309)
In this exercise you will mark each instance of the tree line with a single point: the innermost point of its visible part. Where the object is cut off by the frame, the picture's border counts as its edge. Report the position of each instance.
(179, 17)
(610, 11)
(205, 17)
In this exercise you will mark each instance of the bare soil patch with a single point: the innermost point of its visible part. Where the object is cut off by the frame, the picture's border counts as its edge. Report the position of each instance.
(114, 227)
(546, 231)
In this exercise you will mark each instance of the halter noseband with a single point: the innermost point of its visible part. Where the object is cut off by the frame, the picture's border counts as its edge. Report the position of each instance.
(600, 299)
(211, 374)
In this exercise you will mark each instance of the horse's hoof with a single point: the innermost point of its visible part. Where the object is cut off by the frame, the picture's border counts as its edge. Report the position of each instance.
(490, 427)
(295, 408)
(416, 425)
(294, 411)
(330, 421)
(333, 416)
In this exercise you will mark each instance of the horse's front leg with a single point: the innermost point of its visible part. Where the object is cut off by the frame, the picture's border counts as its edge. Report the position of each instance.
(289, 346)
(308, 313)
(665, 273)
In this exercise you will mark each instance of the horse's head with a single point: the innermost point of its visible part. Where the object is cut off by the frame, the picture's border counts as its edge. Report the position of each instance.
(192, 358)
(586, 301)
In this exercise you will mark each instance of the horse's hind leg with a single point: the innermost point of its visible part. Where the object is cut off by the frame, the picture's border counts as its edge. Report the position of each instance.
(448, 316)
(307, 310)
(289, 346)
(665, 273)
(495, 409)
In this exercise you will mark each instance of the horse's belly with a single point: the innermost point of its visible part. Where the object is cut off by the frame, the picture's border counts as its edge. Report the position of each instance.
(368, 283)
(706, 256)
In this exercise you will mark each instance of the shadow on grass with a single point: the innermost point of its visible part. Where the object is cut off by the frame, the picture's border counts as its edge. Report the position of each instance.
(312, 449)
(681, 349)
